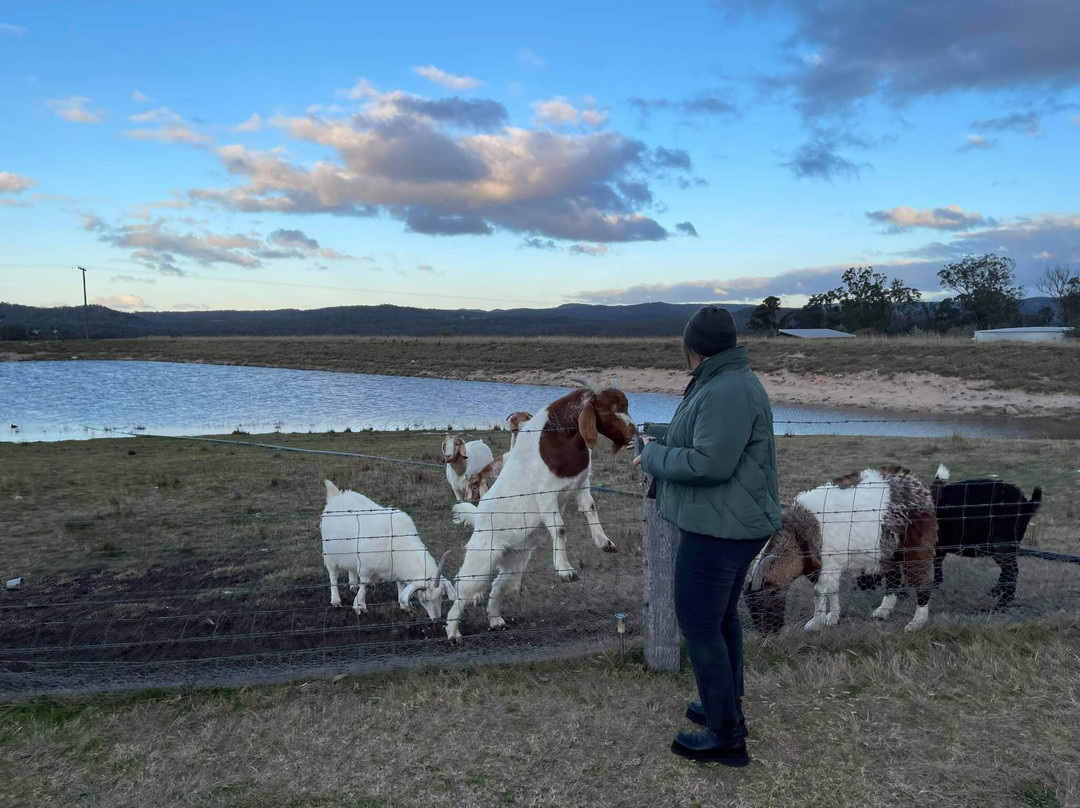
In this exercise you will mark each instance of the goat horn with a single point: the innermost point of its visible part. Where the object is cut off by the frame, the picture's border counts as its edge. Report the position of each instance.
(586, 382)
(438, 569)
(757, 580)
(407, 592)
(613, 383)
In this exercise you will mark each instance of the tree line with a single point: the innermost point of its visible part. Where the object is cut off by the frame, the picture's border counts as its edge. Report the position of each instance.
(984, 295)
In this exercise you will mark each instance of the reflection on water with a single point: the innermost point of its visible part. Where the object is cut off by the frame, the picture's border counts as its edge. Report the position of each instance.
(78, 399)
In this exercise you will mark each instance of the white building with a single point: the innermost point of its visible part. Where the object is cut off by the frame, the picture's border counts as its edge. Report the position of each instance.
(1031, 334)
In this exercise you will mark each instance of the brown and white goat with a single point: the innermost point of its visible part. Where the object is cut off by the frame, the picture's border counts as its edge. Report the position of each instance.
(874, 522)
(548, 468)
(481, 482)
(462, 461)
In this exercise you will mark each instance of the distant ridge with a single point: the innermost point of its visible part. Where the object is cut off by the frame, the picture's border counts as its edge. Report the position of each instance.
(572, 319)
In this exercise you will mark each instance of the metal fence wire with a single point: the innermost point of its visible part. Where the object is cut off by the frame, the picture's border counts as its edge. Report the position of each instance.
(185, 577)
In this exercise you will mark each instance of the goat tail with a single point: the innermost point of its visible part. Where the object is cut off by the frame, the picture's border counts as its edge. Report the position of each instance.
(331, 490)
(942, 474)
(1035, 501)
(465, 514)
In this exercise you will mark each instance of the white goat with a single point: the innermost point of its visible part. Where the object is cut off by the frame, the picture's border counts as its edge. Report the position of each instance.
(379, 544)
(463, 460)
(548, 467)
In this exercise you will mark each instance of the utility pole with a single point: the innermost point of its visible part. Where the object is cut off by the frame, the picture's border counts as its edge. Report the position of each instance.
(85, 307)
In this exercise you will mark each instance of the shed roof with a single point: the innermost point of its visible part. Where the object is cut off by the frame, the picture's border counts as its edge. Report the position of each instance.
(815, 333)
(1031, 329)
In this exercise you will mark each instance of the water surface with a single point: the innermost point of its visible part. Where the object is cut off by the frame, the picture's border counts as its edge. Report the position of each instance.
(95, 398)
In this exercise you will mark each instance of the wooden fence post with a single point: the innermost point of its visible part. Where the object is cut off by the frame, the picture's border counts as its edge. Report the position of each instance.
(661, 542)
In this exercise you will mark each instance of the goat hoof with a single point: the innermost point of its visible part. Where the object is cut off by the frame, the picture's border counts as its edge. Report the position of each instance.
(610, 547)
(496, 624)
(566, 576)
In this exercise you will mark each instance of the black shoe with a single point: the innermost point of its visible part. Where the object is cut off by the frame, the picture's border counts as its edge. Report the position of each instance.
(705, 747)
(696, 713)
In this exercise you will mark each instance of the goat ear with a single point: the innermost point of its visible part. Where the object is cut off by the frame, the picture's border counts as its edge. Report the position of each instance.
(451, 592)
(586, 423)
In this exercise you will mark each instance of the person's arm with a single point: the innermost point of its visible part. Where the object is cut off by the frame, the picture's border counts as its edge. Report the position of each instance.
(722, 430)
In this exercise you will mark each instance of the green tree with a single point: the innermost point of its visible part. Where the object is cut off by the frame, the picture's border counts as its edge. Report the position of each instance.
(984, 289)
(1063, 285)
(763, 319)
(866, 300)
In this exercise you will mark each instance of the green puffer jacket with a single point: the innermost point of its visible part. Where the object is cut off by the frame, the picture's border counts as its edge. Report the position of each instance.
(715, 463)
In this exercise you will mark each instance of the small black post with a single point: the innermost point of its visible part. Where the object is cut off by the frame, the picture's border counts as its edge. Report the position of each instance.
(85, 307)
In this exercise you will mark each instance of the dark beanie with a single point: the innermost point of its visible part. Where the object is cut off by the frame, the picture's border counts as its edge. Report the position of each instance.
(710, 331)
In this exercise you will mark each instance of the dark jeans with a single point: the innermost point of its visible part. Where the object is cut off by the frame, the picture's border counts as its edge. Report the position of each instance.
(709, 574)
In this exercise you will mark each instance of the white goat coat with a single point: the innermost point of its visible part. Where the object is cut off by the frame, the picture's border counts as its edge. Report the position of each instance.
(477, 456)
(378, 543)
(851, 520)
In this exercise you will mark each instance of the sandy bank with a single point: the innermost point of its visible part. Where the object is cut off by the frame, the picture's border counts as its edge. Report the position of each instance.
(903, 392)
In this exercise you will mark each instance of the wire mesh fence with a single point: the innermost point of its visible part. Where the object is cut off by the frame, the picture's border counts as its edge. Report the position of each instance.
(170, 562)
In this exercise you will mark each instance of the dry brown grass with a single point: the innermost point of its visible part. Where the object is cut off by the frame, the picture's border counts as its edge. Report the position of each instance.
(974, 711)
(980, 716)
(1034, 368)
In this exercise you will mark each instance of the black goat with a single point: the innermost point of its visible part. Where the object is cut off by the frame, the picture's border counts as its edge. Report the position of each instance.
(983, 517)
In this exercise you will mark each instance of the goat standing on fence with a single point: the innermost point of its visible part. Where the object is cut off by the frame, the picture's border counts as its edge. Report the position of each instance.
(715, 472)
(549, 467)
(982, 518)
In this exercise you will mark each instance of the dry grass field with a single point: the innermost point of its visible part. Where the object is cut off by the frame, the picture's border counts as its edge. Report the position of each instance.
(979, 709)
(1033, 368)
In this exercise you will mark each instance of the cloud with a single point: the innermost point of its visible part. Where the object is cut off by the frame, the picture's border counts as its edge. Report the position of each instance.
(477, 113)
(74, 109)
(538, 244)
(900, 51)
(139, 98)
(950, 217)
(594, 250)
(121, 302)
(131, 279)
(401, 156)
(707, 104)
(1026, 123)
(817, 159)
(973, 142)
(557, 110)
(295, 239)
(171, 128)
(160, 246)
(189, 307)
(15, 30)
(252, 124)
(447, 80)
(529, 58)
(362, 89)
(687, 229)
(1032, 241)
(15, 183)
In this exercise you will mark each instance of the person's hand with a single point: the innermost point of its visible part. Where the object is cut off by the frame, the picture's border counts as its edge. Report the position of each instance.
(645, 439)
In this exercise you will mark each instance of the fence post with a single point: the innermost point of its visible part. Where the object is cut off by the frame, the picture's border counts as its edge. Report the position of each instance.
(661, 541)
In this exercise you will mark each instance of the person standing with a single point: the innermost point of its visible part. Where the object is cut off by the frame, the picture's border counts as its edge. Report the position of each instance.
(714, 468)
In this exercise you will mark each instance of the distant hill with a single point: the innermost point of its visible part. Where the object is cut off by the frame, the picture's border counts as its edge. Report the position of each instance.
(643, 320)
(571, 319)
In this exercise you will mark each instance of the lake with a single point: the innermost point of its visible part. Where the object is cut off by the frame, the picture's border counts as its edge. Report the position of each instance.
(80, 399)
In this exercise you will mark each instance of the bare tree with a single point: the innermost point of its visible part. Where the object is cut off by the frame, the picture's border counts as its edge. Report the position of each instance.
(1063, 286)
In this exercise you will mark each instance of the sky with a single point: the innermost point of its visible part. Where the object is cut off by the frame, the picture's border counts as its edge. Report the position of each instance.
(257, 156)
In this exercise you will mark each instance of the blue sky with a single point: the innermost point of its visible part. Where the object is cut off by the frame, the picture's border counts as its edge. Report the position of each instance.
(492, 155)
